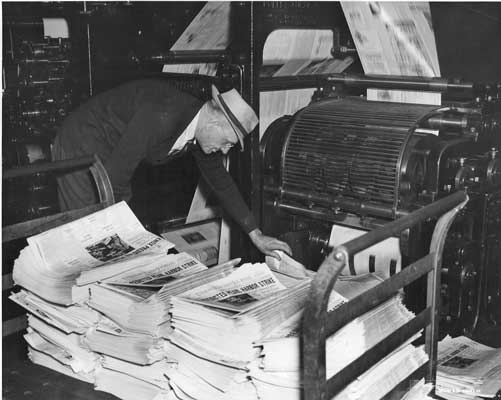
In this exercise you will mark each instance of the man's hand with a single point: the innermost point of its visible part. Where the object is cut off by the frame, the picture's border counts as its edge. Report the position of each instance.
(267, 244)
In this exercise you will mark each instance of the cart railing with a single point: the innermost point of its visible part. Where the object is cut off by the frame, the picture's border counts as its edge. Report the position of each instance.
(34, 226)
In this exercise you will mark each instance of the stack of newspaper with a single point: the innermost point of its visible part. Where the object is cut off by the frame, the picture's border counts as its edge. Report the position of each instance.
(122, 336)
(467, 369)
(108, 304)
(54, 336)
(132, 298)
(52, 261)
(236, 310)
(216, 324)
(68, 334)
(381, 378)
(278, 372)
(420, 391)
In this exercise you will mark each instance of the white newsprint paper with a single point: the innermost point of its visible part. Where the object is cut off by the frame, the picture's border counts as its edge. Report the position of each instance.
(107, 235)
(52, 261)
(467, 369)
(160, 272)
(239, 290)
(395, 38)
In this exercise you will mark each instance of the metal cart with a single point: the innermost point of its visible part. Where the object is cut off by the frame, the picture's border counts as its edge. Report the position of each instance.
(319, 324)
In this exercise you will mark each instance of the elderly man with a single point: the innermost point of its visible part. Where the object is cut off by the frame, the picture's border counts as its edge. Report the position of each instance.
(152, 120)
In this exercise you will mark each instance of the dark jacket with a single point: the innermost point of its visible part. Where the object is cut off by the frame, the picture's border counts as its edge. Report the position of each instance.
(136, 121)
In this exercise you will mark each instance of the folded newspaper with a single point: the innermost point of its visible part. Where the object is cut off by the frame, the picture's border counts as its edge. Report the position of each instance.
(117, 310)
(112, 239)
(278, 372)
(139, 300)
(467, 369)
(236, 310)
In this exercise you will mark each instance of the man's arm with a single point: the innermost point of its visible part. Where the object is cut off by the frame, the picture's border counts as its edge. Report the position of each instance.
(222, 184)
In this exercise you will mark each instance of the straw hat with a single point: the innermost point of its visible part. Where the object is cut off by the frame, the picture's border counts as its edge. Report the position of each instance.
(239, 114)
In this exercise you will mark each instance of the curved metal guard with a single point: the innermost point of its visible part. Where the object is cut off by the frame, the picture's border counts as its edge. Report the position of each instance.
(318, 324)
(34, 226)
(103, 183)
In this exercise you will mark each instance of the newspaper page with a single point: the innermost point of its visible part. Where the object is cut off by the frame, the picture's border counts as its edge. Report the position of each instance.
(160, 272)
(84, 359)
(291, 327)
(209, 30)
(111, 234)
(383, 258)
(61, 354)
(351, 286)
(68, 319)
(134, 293)
(469, 366)
(37, 357)
(294, 52)
(239, 290)
(288, 266)
(200, 240)
(420, 391)
(110, 327)
(395, 38)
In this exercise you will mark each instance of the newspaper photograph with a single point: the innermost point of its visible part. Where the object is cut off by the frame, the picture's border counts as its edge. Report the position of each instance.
(199, 240)
(109, 248)
(462, 356)
(239, 290)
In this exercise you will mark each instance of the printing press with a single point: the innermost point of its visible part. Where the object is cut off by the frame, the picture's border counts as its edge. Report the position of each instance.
(360, 163)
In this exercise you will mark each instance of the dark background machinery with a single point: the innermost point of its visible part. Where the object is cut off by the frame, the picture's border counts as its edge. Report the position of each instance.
(44, 79)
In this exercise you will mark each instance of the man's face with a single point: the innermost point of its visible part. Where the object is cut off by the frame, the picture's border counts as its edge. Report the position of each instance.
(214, 132)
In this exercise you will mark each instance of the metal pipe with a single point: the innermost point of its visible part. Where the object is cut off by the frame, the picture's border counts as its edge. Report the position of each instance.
(395, 227)
(19, 24)
(11, 40)
(398, 82)
(344, 204)
(451, 122)
(89, 56)
(269, 84)
(377, 81)
(300, 210)
(190, 56)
